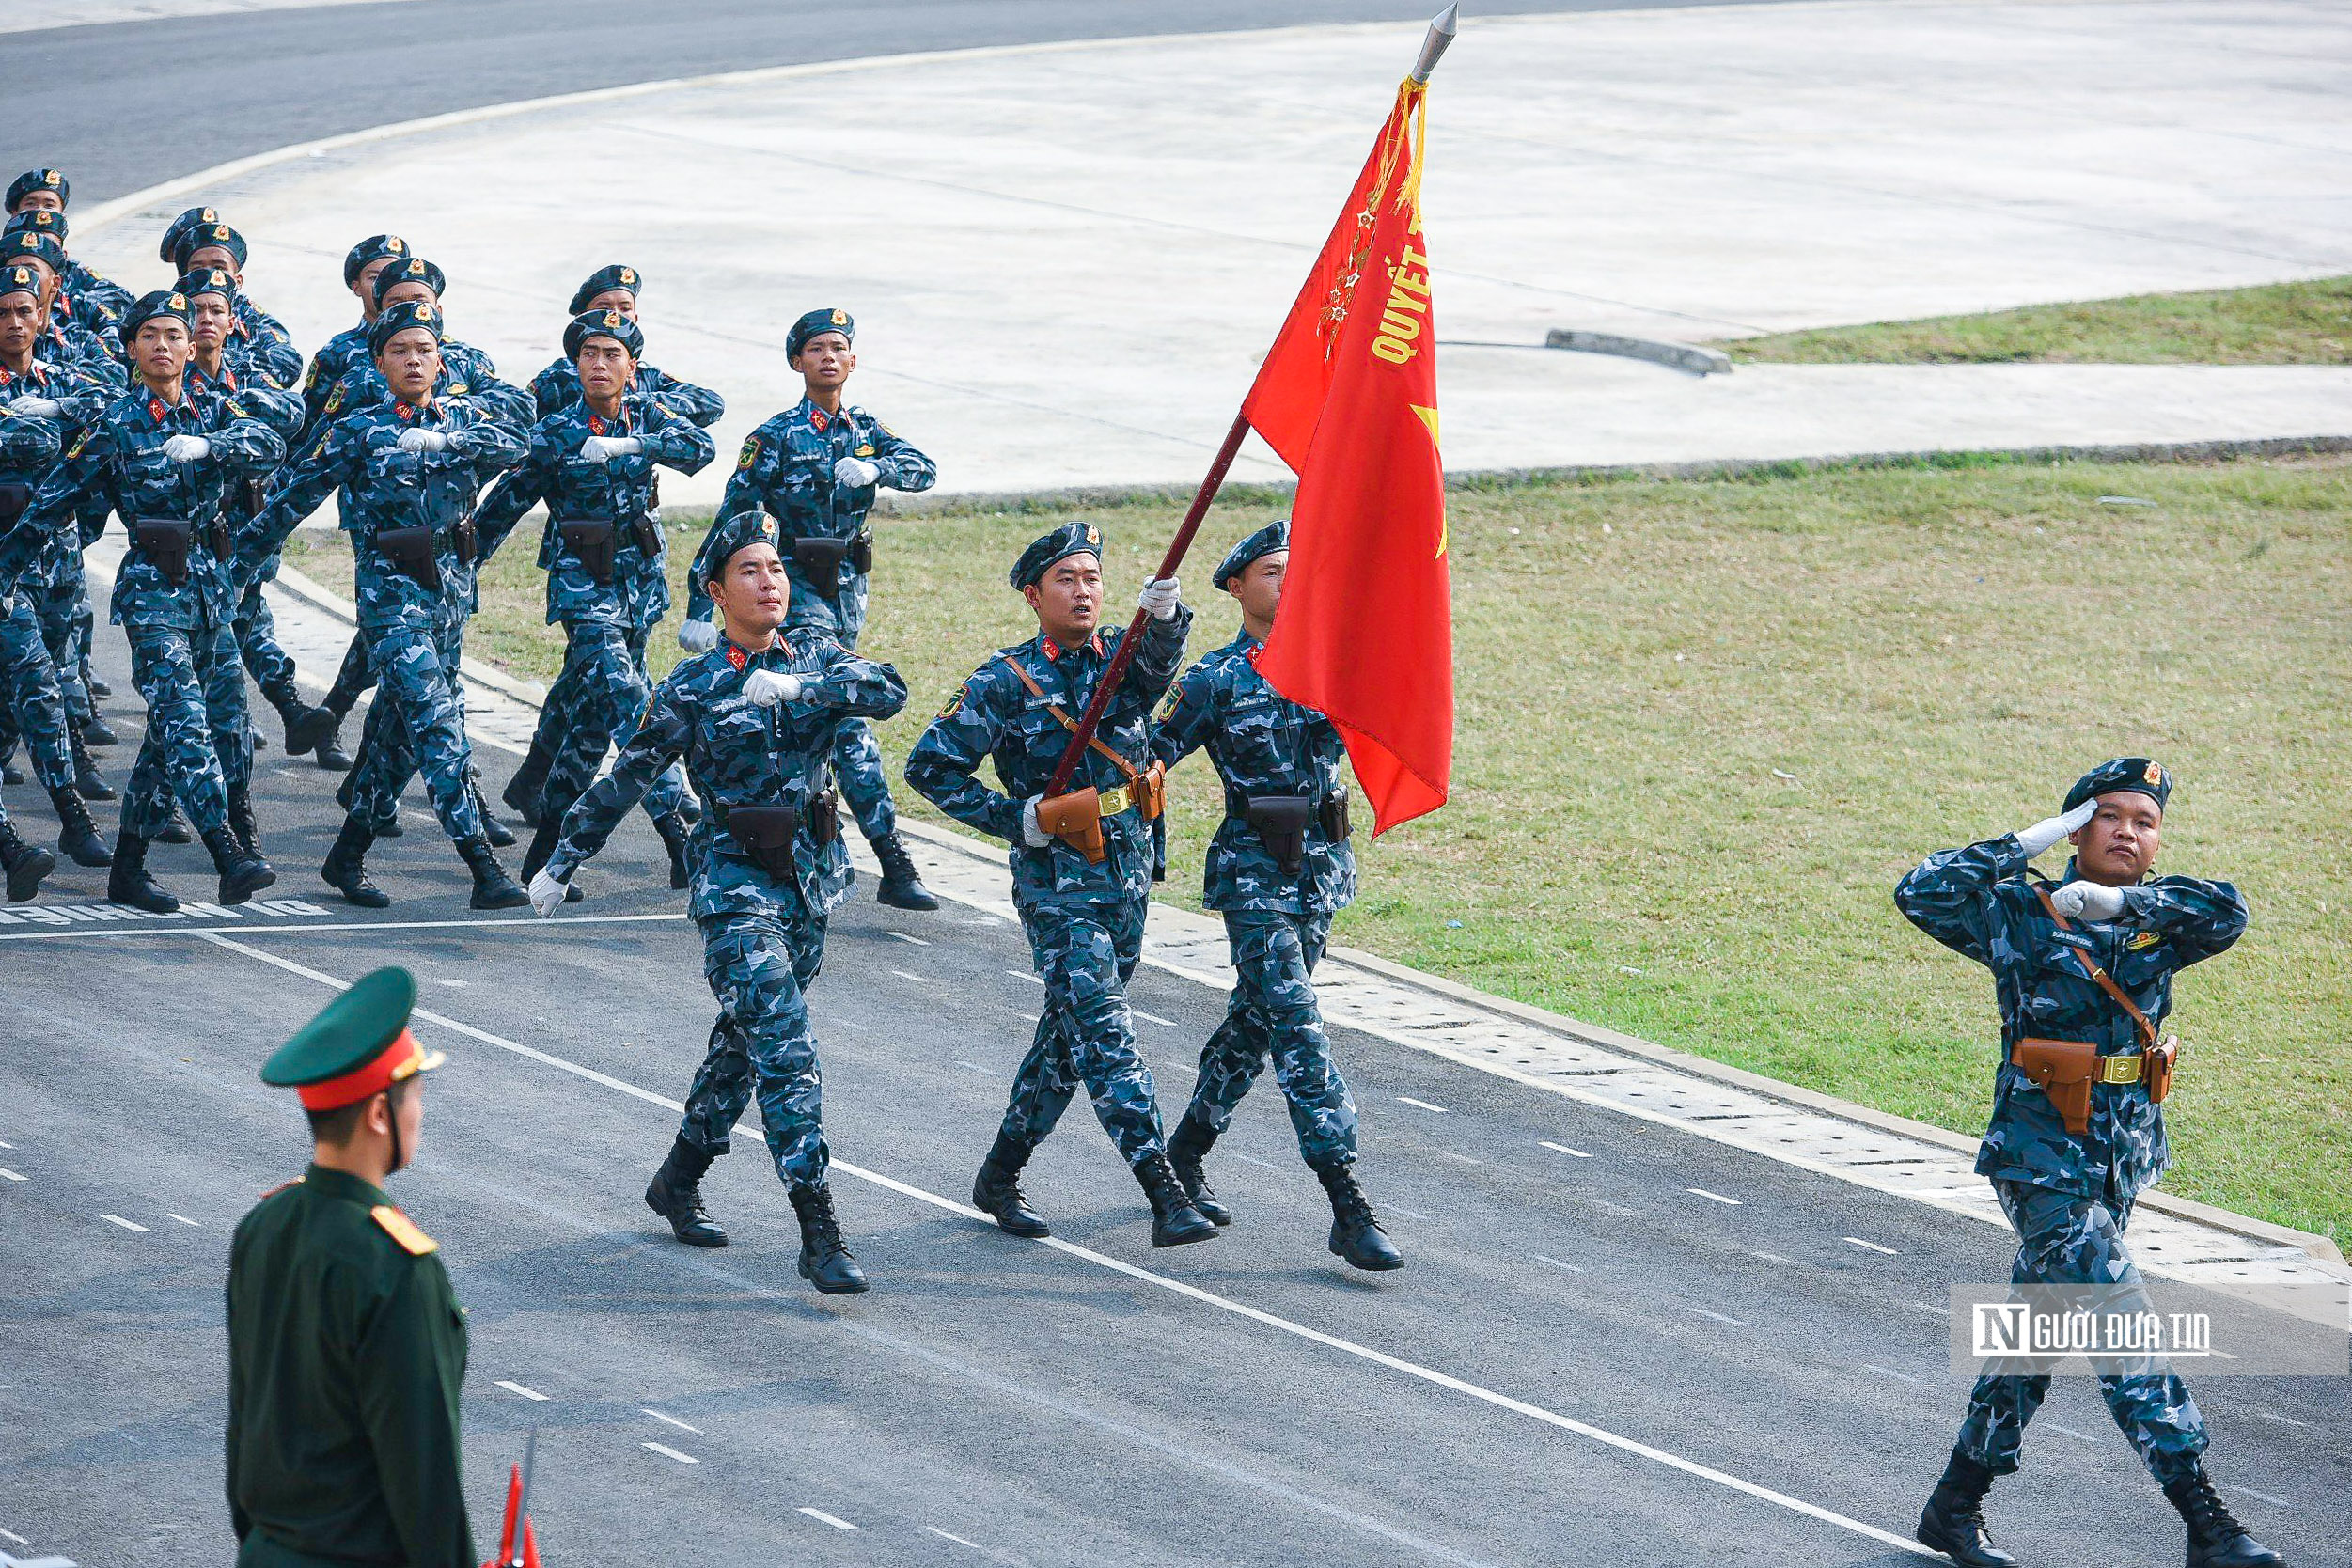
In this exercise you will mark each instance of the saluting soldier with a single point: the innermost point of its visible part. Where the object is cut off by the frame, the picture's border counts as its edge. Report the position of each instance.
(753, 720)
(592, 461)
(2083, 973)
(1279, 868)
(1081, 861)
(814, 468)
(346, 1343)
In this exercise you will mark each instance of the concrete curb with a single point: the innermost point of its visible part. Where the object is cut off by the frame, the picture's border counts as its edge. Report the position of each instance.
(1689, 357)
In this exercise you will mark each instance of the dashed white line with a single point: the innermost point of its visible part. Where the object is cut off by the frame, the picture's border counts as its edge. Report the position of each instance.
(514, 1387)
(957, 1538)
(183, 1219)
(2275, 1502)
(1874, 1247)
(974, 1066)
(1562, 1149)
(669, 1452)
(1890, 1371)
(1718, 1317)
(13, 1536)
(11, 1175)
(903, 975)
(3, 1144)
(2077, 1436)
(1023, 974)
(1152, 1017)
(1409, 1213)
(454, 984)
(1714, 1195)
(1556, 1263)
(1464, 1160)
(1027, 1017)
(1420, 1104)
(117, 1220)
(1922, 1307)
(903, 937)
(672, 1420)
(1252, 1159)
(1775, 1258)
(824, 1518)
(2283, 1421)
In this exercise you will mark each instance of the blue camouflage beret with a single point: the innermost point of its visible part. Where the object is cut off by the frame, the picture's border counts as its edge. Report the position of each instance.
(19, 280)
(1265, 541)
(740, 533)
(2136, 773)
(39, 179)
(399, 318)
(1070, 538)
(815, 322)
(375, 247)
(602, 323)
(415, 269)
(40, 220)
(21, 242)
(208, 280)
(211, 236)
(165, 302)
(603, 280)
(171, 246)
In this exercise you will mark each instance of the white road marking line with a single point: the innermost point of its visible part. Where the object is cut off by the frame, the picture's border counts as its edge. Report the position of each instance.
(183, 1219)
(1562, 1149)
(527, 924)
(669, 1452)
(1556, 1263)
(1422, 1105)
(1178, 1287)
(903, 937)
(11, 1175)
(117, 1220)
(514, 1387)
(1890, 1371)
(824, 1518)
(2275, 1502)
(1775, 1258)
(1152, 1017)
(975, 1066)
(1923, 1307)
(916, 979)
(454, 984)
(1463, 1158)
(957, 1538)
(672, 1420)
(2283, 1421)
(1718, 1317)
(285, 773)
(5, 1145)
(1252, 1159)
(13, 1536)
(2077, 1436)
(1874, 1247)
(1023, 974)
(1716, 1196)
(1028, 1017)
(1409, 1213)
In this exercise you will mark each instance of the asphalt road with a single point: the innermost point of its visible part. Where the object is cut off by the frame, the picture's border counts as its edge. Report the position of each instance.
(1247, 1401)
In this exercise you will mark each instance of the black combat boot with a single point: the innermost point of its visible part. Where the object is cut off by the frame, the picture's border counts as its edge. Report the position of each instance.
(25, 864)
(346, 870)
(498, 833)
(1174, 1221)
(129, 883)
(306, 725)
(901, 884)
(1357, 1238)
(241, 822)
(175, 828)
(673, 831)
(392, 827)
(1953, 1520)
(87, 781)
(676, 1195)
(256, 742)
(329, 753)
(91, 683)
(1186, 1149)
(242, 873)
(2215, 1540)
(522, 791)
(825, 1262)
(996, 1191)
(492, 888)
(689, 807)
(10, 773)
(78, 836)
(96, 730)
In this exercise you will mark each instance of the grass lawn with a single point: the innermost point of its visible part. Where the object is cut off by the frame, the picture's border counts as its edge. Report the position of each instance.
(2285, 324)
(1705, 725)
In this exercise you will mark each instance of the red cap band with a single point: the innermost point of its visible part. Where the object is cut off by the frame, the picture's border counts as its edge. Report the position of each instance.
(400, 1059)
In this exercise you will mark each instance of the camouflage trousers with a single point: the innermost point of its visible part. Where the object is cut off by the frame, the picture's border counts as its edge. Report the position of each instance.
(1272, 1017)
(270, 665)
(416, 724)
(597, 702)
(857, 766)
(1086, 955)
(2065, 1239)
(196, 747)
(67, 623)
(760, 965)
(31, 706)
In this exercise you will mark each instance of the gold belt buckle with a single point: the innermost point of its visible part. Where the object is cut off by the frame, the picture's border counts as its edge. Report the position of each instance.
(1112, 802)
(2119, 1070)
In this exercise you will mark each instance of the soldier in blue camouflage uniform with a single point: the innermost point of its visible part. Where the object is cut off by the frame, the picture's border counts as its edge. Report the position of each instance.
(557, 387)
(48, 190)
(81, 335)
(1084, 916)
(159, 458)
(41, 407)
(753, 721)
(2070, 1194)
(814, 468)
(258, 342)
(592, 462)
(85, 299)
(409, 468)
(1279, 868)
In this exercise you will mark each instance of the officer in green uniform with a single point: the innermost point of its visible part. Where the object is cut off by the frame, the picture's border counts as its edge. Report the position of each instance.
(346, 1344)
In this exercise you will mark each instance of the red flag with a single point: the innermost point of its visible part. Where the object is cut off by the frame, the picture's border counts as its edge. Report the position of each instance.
(1348, 397)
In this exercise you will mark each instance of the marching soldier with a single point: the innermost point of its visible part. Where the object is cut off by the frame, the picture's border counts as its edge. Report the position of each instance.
(346, 1343)
(48, 190)
(813, 468)
(1279, 868)
(257, 340)
(592, 462)
(69, 338)
(159, 458)
(409, 468)
(753, 720)
(1081, 861)
(2083, 971)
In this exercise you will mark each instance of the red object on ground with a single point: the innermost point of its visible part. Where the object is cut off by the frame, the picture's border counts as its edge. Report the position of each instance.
(1348, 398)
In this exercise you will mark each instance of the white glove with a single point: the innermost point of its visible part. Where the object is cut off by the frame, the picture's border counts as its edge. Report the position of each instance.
(2041, 835)
(2088, 901)
(765, 688)
(423, 441)
(1032, 835)
(548, 894)
(698, 636)
(186, 448)
(30, 407)
(1159, 598)
(856, 473)
(603, 448)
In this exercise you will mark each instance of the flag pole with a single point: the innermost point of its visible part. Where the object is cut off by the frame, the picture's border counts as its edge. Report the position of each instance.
(1441, 31)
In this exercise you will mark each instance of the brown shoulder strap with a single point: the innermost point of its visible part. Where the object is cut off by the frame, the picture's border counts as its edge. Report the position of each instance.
(2099, 977)
(1094, 743)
